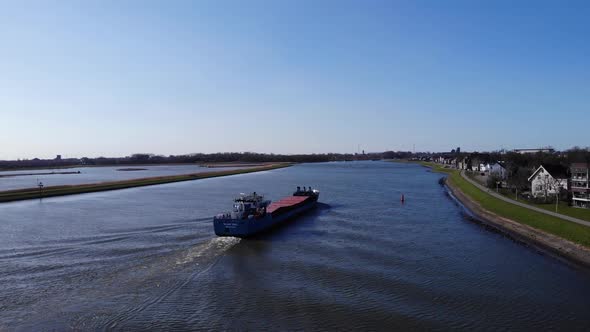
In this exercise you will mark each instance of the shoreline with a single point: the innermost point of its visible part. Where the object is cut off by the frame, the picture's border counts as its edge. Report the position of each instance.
(34, 174)
(35, 193)
(227, 165)
(34, 168)
(550, 243)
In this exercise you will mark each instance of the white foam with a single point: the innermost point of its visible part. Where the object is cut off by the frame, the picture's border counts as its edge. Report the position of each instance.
(211, 248)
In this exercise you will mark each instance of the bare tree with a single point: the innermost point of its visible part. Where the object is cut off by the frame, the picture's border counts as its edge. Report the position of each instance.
(518, 178)
(550, 183)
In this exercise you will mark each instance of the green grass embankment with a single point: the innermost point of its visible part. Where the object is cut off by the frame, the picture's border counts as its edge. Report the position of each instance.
(32, 193)
(437, 167)
(562, 208)
(565, 229)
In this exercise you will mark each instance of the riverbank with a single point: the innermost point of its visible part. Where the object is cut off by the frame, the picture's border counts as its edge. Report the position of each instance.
(234, 164)
(563, 208)
(34, 193)
(34, 168)
(566, 239)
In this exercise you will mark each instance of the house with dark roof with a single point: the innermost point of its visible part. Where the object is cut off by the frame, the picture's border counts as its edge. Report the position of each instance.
(549, 180)
(498, 169)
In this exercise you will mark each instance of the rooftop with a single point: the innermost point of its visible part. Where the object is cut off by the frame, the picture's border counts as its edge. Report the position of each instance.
(557, 171)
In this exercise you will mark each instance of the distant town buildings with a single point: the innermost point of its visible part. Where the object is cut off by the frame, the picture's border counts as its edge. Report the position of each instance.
(524, 151)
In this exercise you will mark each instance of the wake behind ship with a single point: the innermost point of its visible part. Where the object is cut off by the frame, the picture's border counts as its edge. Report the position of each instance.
(252, 214)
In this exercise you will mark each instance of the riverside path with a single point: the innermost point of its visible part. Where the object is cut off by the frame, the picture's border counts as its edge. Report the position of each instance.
(534, 208)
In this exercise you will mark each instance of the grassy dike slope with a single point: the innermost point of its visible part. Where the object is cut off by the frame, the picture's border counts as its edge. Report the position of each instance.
(31, 193)
(564, 229)
(571, 211)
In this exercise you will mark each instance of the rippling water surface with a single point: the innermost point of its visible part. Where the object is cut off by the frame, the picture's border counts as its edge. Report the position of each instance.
(147, 258)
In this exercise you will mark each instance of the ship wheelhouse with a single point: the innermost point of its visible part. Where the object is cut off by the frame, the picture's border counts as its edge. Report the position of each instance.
(247, 206)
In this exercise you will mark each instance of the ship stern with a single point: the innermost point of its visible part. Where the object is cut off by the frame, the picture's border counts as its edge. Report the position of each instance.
(231, 227)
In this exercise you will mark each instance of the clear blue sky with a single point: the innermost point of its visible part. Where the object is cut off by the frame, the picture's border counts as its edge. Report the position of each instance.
(111, 78)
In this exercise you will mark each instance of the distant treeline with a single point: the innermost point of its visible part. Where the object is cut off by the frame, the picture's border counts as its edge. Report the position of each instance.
(512, 159)
(226, 157)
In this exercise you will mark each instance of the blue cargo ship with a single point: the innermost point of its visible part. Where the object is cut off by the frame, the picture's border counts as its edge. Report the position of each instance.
(252, 214)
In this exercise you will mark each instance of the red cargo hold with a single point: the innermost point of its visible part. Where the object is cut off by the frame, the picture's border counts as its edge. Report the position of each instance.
(286, 204)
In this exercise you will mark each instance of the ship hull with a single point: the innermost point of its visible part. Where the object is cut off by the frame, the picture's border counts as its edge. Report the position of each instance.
(249, 227)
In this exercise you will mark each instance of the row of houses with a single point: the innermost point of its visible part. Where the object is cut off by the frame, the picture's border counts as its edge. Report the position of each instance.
(546, 180)
(474, 165)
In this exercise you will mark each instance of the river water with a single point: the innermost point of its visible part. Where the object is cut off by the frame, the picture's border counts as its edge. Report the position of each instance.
(95, 174)
(147, 259)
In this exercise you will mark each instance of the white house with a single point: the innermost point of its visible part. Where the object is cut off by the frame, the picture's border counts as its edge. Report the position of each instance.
(498, 169)
(548, 180)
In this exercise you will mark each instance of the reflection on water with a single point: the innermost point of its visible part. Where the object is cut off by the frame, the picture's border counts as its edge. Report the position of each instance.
(147, 258)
